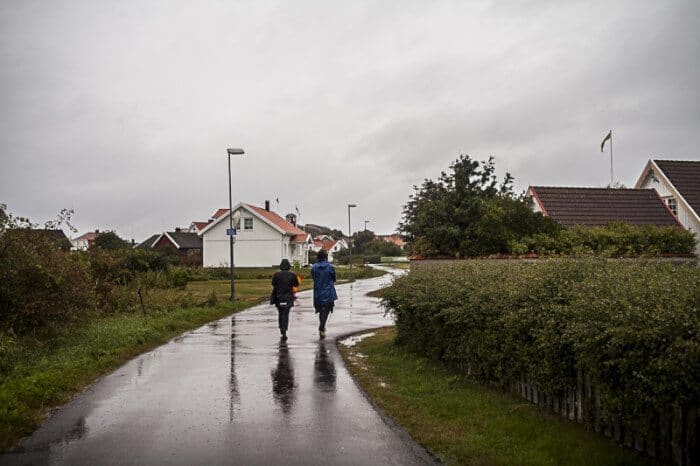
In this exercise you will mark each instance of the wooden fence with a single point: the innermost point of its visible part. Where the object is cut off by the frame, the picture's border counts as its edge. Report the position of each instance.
(669, 434)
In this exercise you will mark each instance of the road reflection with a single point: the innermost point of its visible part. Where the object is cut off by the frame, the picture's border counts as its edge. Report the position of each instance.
(234, 397)
(324, 368)
(283, 379)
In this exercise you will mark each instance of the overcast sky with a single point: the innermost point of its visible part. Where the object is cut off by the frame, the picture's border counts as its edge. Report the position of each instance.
(123, 110)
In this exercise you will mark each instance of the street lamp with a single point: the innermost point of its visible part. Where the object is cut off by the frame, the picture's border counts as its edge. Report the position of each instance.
(350, 237)
(366, 222)
(231, 152)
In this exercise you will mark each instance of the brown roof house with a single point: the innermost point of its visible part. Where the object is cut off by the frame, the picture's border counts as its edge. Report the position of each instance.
(263, 238)
(570, 206)
(188, 246)
(678, 184)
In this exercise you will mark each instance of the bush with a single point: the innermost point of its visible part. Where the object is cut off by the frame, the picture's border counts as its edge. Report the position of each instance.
(612, 240)
(632, 326)
(40, 283)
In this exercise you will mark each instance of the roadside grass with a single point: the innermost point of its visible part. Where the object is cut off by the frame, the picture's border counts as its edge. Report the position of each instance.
(41, 372)
(398, 265)
(265, 273)
(247, 290)
(464, 422)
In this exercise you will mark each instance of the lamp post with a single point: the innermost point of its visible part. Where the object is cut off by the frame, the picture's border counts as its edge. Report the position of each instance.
(350, 237)
(366, 222)
(231, 152)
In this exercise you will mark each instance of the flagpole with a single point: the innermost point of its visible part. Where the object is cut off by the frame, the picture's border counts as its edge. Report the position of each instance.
(611, 160)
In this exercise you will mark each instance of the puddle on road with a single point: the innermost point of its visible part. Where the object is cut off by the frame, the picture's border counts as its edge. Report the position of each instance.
(355, 339)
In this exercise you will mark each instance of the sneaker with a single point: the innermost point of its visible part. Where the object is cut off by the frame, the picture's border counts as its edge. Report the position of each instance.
(322, 334)
(284, 337)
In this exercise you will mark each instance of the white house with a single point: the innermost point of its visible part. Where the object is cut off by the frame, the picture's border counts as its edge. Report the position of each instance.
(678, 185)
(327, 243)
(263, 239)
(84, 242)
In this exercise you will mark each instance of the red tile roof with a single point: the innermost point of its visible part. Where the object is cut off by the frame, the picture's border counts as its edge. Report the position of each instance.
(298, 234)
(219, 213)
(685, 177)
(200, 225)
(326, 245)
(89, 236)
(393, 238)
(600, 206)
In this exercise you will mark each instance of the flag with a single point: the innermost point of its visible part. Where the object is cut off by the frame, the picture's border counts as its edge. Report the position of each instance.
(606, 138)
(297, 210)
(277, 200)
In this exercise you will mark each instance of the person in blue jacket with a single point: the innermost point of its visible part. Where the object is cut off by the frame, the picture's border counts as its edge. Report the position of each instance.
(323, 275)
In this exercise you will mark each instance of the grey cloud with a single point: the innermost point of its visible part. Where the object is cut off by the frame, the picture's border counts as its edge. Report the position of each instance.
(124, 110)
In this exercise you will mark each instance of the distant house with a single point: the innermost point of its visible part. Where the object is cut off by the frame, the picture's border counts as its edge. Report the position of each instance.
(196, 227)
(32, 235)
(394, 238)
(678, 184)
(188, 246)
(571, 206)
(328, 244)
(263, 238)
(85, 241)
(148, 242)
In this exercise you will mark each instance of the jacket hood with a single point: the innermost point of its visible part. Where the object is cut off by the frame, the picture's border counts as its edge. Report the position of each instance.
(285, 265)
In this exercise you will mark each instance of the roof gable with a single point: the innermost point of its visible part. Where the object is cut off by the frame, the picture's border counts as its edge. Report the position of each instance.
(185, 240)
(684, 175)
(270, 218)
(571, 206)
(148, 242)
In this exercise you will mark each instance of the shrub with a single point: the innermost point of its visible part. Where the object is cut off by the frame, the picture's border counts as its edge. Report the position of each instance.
(40, 283)
(612, 240)
(632, 326)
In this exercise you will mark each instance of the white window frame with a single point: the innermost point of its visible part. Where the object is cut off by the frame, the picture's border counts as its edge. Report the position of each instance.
(672, 204)
(245, 223)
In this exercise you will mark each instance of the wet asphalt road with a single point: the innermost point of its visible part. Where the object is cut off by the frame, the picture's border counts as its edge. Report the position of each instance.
(232, 393)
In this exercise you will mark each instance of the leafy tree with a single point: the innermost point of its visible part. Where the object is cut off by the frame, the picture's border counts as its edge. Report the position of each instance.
(360, 240)
(110, 241)
(378, 247)
(467, 212)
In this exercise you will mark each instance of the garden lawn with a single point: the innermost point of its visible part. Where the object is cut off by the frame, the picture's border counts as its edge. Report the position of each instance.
(39, 373)
(464, 422)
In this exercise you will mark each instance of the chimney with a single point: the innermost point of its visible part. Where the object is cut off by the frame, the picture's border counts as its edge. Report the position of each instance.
(267, 205)
(96, 230)
(178, 229)
(291, 218)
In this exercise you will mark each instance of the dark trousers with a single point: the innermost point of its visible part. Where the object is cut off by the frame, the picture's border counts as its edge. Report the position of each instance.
(283, 316)
(324, 311)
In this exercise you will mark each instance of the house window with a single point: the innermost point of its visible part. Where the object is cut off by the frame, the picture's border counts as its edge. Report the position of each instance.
(248, 223)
(671, 203)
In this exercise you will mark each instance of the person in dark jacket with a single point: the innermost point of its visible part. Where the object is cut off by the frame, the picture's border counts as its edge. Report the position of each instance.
(282, 295)
(323, 274)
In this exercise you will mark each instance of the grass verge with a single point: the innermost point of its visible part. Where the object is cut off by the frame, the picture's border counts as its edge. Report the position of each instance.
(37, 374)
(464, 422)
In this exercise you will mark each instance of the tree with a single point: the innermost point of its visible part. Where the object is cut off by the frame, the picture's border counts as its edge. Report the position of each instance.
(360, 239)
(467, 212)
(110, 241)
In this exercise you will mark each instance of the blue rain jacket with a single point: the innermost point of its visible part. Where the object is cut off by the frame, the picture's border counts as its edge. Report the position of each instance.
(323, 274)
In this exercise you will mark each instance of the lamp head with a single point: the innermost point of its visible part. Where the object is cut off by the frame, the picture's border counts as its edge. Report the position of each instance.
(235, 151)
(352, 205)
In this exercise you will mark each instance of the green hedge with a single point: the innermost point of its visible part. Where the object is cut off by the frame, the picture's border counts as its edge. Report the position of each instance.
(612, 240)
(632, 326)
